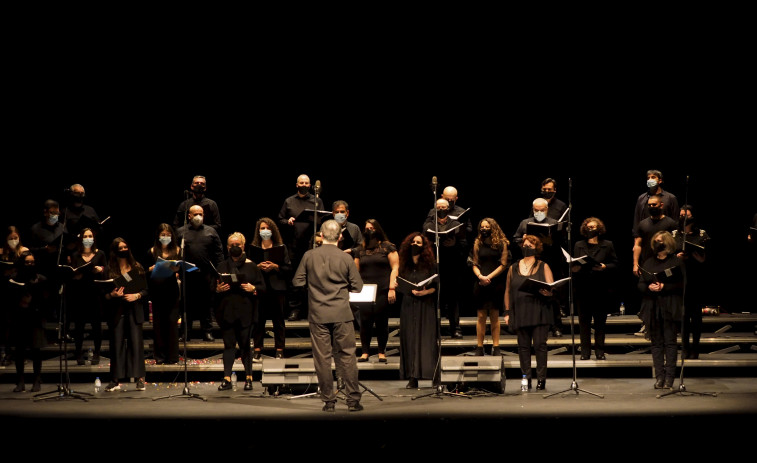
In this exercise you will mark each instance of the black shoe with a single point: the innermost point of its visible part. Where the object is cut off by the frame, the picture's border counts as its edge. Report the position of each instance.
(208, 337)
(585, 356)
(294, 315)
(279, 354)
(225, 385)
(247, 384)
(541, 384)
(382, 359)
(458, 334)
(601, 357)
(412, 384)
(356, 407)
(479, 352)
(668, 383)
(496, 350)
(659, 383)
(328, 407)
(362, 359)
(38, 385)
(257, 356)
(20, 387)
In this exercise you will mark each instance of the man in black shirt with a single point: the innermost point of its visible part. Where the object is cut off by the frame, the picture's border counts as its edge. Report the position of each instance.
(297, 229)
(78, 215)
(211, 214)
(203, 248)
(657, 221)
(654, 187)
(352, 237)
(47, 242)
(556, 207)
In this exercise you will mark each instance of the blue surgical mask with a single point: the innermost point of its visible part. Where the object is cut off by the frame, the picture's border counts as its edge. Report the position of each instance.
(340, 217)
(88, 242)
(266, 234)
(539, 216)
(52, 220)
(165, 240)
(651, 183)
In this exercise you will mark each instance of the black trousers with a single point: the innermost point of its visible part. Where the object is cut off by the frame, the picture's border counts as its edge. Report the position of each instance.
(536, 335)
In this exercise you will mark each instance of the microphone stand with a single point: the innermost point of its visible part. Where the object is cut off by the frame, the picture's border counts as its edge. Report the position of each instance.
(436, 381)
(574, 383)
(681, 387)
(64, 387)
(317, 191)
(185, 391)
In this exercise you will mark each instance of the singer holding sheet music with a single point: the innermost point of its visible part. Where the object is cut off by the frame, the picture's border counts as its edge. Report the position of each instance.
(125, 313)
(593, 267)
(530, 315)
(84, 301)
(164, 295)
(661, 285)
(238, 288)
(419, 348)
(271, 255)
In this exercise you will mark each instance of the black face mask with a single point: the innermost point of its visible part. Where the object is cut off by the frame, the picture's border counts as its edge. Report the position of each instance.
(303, 190)
(415, 249)
(659, 247)
(198, 190)
(528, 252)
(122, 253)
(689, 221)
(451, 205)
(485, 233)
(77, 200)
(235, 251)
(442, 213)
(547, 194)
(592, 233)
(655, 211)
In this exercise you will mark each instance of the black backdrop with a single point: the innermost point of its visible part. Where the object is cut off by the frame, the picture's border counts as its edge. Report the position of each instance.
(140, 192)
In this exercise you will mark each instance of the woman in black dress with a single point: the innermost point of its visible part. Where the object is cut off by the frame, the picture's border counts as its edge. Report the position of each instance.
(378, 263)
(489, 261)
(661, 283)
(236, 308)
(164, 295)
(418, 324)
(594, 285)
(84, 301)
(530, 314)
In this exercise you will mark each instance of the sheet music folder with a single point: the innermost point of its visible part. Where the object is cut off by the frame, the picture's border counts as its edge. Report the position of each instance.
(583, 260)
(543, 229)
(368, 294)
(123, 280)
(233, 278)
(661, 277)
(406, 285)
(533, 286)
(308, 215)
(275, 254)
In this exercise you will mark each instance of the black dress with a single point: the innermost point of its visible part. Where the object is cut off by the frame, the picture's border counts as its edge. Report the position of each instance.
(164, 296)
(84, 301)
(491, 296)
(375, 269)
(418, 330)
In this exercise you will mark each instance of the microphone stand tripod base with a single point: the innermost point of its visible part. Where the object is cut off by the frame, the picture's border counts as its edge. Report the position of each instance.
(574, 387)
(683, 392)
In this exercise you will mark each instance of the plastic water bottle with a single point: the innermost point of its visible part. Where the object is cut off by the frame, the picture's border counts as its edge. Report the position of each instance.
(622, 309)
(98, 385)
(234, 380)
(524, 384)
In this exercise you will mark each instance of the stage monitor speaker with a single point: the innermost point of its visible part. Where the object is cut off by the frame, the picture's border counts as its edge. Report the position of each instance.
(489, 371)
(288, 371)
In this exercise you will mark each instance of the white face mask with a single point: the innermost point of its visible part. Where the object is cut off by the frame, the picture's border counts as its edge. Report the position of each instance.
(88, 242)
(340, 217)
(165, 240)
(539, 216)
(197, 220)
(13, 243)
(52, 220)
(266, 234)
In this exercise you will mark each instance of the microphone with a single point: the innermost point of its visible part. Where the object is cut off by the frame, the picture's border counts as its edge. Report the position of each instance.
(317, 187)
(433, 183)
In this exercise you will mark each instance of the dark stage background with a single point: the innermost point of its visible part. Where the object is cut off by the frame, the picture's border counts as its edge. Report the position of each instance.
(139, 192)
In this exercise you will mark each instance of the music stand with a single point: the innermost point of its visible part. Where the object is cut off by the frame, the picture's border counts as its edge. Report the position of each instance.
(436, 381)
(574, 384)
(63, 390)
(185, 391)
(681, 387)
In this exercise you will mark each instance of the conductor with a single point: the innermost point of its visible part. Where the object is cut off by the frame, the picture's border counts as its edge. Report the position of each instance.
(330, 275)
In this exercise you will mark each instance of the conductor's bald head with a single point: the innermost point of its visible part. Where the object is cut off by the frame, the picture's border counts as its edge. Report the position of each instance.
(330, 231)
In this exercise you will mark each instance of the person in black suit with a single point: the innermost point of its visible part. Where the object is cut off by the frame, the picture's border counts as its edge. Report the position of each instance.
(211, 212)
(594, 284)
(276, 268)
(330, 275)
(557, 207)
(236, 307)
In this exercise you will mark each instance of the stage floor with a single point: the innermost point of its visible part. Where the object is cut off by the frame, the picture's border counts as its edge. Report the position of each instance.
(164, 418)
